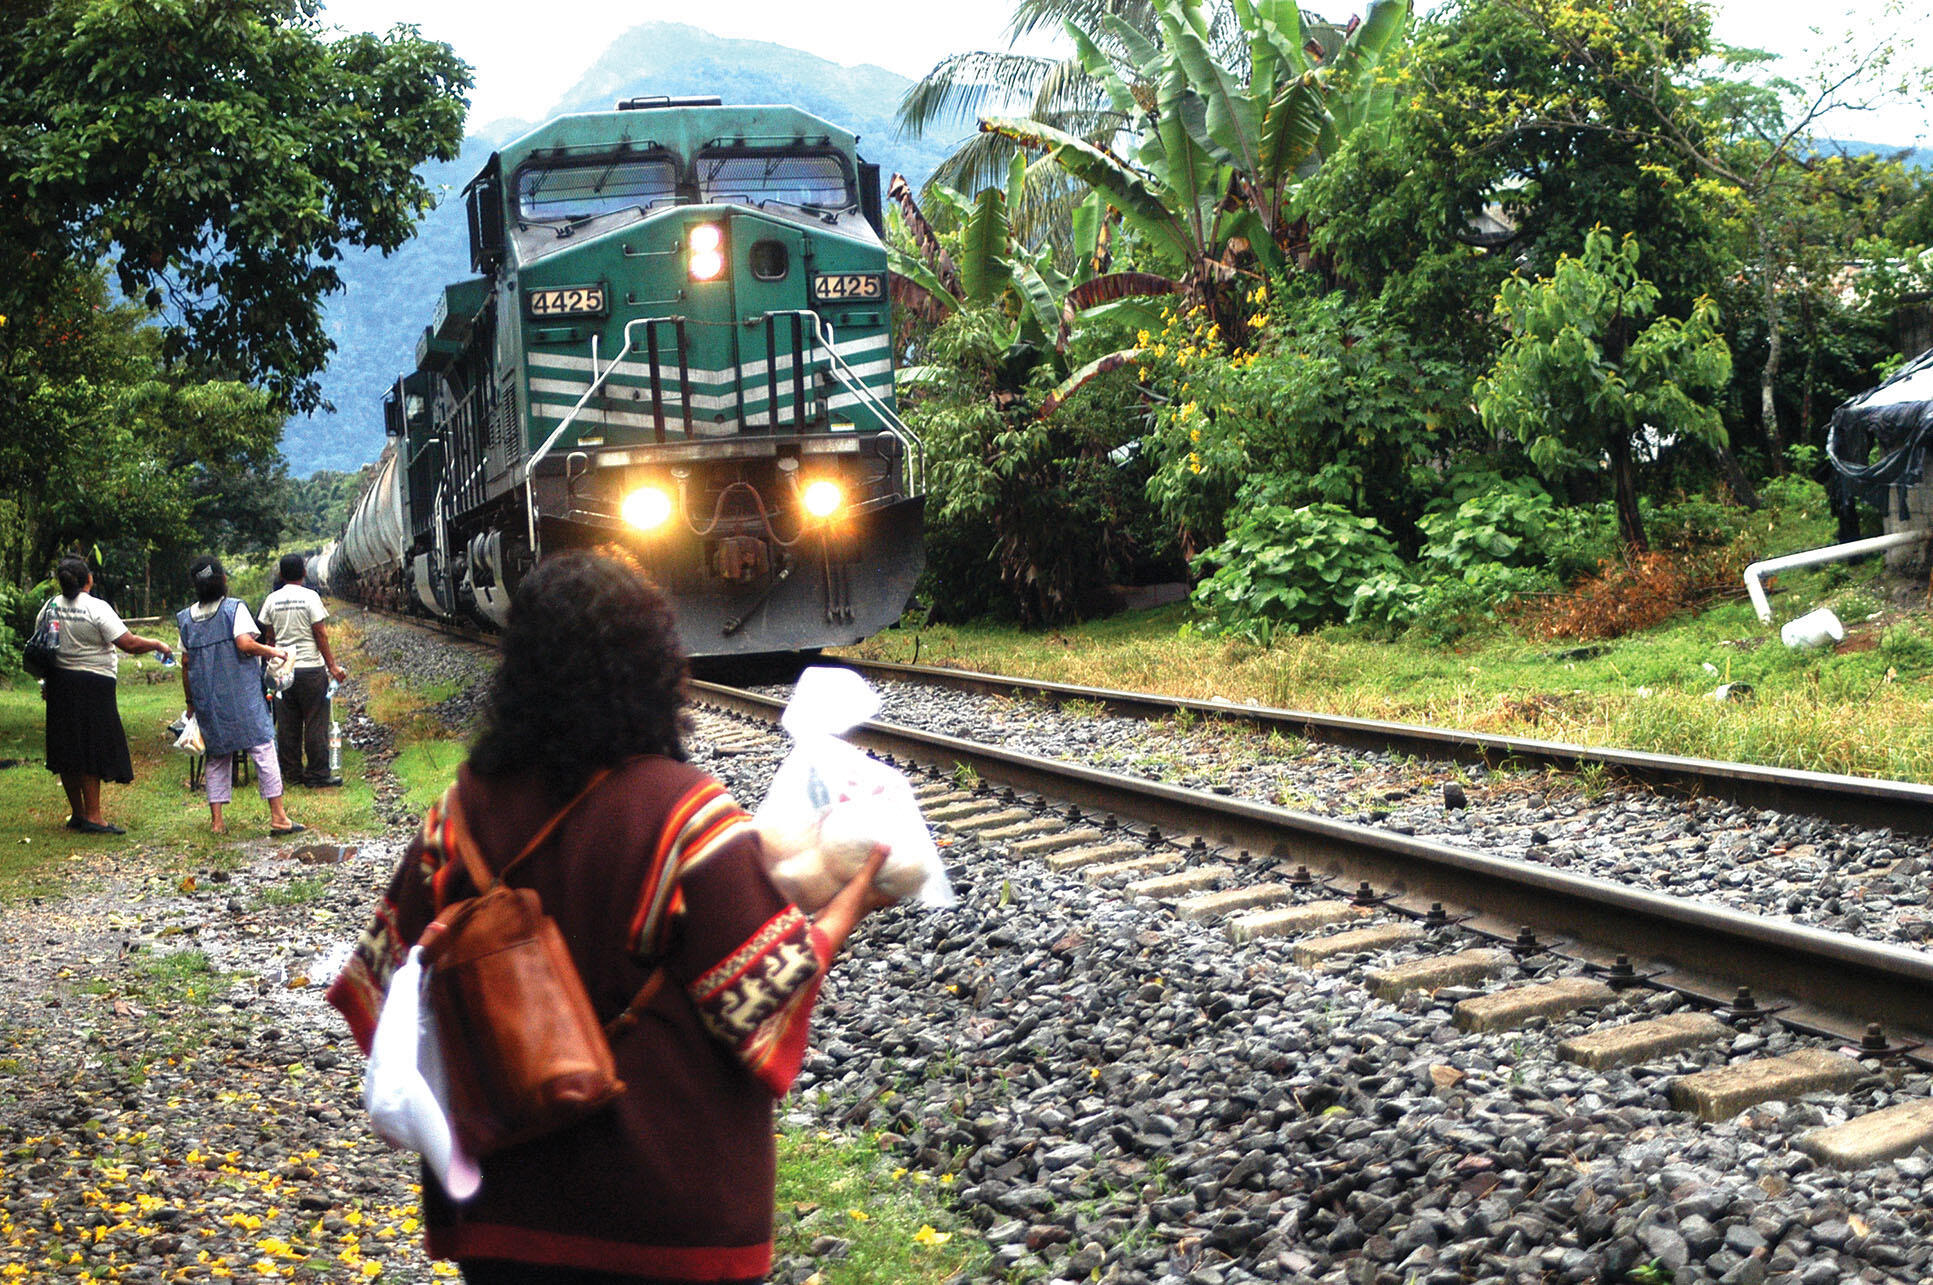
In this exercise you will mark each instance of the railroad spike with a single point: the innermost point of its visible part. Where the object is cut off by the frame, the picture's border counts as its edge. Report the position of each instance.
(1155, 837)
(1438, 917)
(1526, 942)
(1301, 878)
(1366, 896)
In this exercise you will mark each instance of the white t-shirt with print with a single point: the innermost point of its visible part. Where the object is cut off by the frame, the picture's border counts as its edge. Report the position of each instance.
(244, 623)
(293, 611)
(88, 628)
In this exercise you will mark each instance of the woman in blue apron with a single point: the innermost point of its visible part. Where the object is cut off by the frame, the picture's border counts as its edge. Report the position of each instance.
(221, 676)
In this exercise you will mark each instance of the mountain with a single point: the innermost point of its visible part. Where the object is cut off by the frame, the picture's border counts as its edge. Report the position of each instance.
(1913, 158)
(386, 301)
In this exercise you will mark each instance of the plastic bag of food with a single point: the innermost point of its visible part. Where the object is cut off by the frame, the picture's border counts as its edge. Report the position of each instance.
(189, 739)
(830, 804)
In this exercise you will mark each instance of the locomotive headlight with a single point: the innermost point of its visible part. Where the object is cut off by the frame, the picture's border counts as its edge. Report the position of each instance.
(707, 245)
(822, 499)
(646, 508)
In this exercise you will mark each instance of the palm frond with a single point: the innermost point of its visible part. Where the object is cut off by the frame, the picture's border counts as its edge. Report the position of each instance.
(963, 86)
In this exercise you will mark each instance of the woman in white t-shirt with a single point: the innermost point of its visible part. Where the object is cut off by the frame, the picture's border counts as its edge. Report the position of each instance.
(85, 741)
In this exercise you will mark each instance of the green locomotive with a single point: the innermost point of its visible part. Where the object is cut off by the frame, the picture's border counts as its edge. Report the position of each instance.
(678, 340)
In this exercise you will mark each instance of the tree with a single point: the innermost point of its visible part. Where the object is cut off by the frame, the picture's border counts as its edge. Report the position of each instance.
(219, 157)
(1637, 78)
(1578, 382)
(1217, 154)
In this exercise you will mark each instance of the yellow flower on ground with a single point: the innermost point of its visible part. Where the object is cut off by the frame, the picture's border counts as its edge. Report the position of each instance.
(859, 1215)
(927, 1236)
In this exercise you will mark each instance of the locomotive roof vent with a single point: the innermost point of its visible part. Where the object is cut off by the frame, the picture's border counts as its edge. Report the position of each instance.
(647, 102)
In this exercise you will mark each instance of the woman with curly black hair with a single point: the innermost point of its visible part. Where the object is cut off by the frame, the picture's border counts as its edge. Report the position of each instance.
(655, 877)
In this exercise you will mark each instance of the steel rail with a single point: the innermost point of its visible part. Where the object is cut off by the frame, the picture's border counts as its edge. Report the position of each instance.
(1905, 806)
(1833, 982)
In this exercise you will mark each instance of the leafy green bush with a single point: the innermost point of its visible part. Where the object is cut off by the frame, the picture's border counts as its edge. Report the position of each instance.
(1454, 606)
(1332, 396)
(17, 607)
(1796, 496)
(1577, 541)
(1504, 524)
(1692, 522)
(1387, 604)
(1284, 568)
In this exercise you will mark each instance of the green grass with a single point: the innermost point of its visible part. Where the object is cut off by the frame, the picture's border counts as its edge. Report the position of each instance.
(426, 768)
(163, 817)
(898, 1223)
(183, 977)
(294, 892)
(1861, 708)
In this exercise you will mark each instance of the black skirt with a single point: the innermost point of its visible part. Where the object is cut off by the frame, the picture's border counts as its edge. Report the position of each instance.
(84, 732)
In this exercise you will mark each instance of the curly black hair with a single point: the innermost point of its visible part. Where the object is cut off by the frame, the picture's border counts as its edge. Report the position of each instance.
(592, 674)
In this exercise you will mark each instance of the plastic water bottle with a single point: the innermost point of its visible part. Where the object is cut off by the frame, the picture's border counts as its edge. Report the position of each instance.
(335, 748)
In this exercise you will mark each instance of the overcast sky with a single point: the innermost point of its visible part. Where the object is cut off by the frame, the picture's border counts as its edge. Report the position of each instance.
(523, 66)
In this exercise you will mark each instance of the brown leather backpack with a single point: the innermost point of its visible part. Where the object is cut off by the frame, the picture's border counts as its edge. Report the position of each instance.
(523, 1048)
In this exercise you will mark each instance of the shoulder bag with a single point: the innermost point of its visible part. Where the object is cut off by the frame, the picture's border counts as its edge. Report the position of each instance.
(525, 1053)
(43, 648)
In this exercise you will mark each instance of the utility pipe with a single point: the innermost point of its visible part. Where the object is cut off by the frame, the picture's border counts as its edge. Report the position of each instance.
(1813, 557)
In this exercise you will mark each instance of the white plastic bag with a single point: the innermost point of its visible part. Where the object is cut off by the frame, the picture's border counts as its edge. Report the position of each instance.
(405, 1089)
(279, 674)
(190, 738)
(830, 804)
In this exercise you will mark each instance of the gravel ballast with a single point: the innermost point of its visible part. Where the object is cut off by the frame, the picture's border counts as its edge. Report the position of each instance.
(1106, 1091)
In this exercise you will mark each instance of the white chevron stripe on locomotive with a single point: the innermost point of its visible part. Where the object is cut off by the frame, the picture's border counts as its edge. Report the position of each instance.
(668, 372)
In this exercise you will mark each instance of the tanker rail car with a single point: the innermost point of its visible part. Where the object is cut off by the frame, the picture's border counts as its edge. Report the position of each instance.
(678, 340)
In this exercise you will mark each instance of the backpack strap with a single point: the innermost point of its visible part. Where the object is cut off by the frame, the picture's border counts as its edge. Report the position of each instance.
(457, 837)
(466, 847)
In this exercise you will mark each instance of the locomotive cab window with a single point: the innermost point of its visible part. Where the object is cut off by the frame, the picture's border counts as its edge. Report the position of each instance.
(817, 180)
(770, 260)
(586, 189)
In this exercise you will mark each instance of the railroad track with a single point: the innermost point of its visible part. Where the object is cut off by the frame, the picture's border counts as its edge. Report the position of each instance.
(1347, 893)
(1904, 806)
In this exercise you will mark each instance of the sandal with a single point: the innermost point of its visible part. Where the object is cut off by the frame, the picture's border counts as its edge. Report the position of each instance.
(295, 827)
(99, 827)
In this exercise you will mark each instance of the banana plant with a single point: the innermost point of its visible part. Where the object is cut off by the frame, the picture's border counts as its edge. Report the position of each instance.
(994, 266)
(1217, 154)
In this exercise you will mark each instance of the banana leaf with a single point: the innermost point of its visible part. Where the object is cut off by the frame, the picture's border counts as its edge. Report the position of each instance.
(1126, 190)
(1086, 374)
(985, 269)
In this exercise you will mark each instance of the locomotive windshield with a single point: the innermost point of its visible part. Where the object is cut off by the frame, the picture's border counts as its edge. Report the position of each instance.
(585, 189)
(792, 178)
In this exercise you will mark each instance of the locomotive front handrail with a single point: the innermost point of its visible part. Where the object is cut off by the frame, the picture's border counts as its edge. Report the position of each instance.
(848, 378)
(598, 379)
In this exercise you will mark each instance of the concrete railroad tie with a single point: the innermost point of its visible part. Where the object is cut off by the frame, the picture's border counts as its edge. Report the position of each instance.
(1507, 1009)
(1722, 1093)
(1075, 858)
(1438, 971)
(1292, 921)
(1151, 863)
(1182, 882)
(1643, 1041)
(1357, 941)
(1873, 1138)
(1213, 905)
